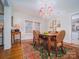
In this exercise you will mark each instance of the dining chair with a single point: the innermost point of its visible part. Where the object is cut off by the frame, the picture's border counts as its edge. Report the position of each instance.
(36, 40)
(59, 41)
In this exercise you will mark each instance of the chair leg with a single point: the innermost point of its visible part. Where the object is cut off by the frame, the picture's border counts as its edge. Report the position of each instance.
(33, 42)
(62, 50)
(56, 50)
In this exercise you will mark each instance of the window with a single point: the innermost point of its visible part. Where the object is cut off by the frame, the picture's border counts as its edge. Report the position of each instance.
(37, 26)
(28, 26)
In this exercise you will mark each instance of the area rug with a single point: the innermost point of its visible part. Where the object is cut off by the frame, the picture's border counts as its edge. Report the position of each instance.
(31, 52)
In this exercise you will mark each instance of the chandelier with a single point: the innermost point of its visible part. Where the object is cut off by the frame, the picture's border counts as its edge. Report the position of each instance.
(46, 8)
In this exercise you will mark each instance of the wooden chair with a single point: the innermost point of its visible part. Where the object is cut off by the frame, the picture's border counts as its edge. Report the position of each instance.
(36, 40)
(59, 41)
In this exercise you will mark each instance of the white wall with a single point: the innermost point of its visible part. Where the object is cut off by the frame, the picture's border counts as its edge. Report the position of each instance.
(7, 25)
(66, 25)
(7, 28)
(19, 18)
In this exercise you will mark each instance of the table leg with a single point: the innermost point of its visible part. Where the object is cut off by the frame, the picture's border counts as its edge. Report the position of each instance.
(2, 37)
(49, 45)
(20, 37)
(14, 38)
(56, 48)
(11, 38)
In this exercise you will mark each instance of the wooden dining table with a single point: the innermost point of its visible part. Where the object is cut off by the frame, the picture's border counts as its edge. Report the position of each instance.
(49, 37)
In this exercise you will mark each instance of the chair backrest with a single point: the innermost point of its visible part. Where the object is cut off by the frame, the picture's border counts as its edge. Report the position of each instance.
(36, 34)
(60, 36)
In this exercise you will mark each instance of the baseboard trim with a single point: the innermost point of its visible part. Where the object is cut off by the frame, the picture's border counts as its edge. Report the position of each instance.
(71, 44)
(27, 41)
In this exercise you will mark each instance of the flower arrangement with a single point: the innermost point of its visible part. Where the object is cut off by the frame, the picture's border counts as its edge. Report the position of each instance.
(45, 33)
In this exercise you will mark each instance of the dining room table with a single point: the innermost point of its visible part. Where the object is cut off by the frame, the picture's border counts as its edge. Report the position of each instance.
(49, 37)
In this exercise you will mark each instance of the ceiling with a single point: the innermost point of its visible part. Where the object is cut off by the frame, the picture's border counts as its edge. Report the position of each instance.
(69, 6)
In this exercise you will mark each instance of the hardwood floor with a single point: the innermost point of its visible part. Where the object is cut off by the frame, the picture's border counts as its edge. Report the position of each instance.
(17, 51)
(14, 53)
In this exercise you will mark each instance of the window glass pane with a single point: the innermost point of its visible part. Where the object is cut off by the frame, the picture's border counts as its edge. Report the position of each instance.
(28, 26)
(37, 26)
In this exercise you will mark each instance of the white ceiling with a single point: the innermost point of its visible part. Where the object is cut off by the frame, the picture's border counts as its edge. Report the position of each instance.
(69, 6)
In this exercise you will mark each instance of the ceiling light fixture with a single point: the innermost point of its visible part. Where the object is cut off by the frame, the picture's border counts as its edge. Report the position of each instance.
(46, 8)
